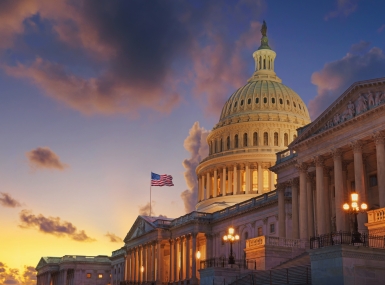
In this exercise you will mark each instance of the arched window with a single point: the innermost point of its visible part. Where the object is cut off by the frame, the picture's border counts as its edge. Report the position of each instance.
(215, 146)
(256, 100)
(255, 139)
(236, 141)
(246, 235)
(228, 143)
(221, 146)
(249, 101)
(276, 139)
(265, 100)
(265, 138)
(235, 105)
(273, 100)
(286, 139)
(245, 139)
(241, 102)
(210, 144)
(264, 63)
(280, 101)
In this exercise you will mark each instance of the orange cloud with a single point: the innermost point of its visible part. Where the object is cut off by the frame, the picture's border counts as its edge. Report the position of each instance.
(13, 276)
(196, 145)
(7, 201)
(113, 237)
(337, 76)
(52, 225)
(44, 158)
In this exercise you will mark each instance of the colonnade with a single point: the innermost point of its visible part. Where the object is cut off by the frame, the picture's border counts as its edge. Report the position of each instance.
(247, 178)
(312, 207)
(62, 277)
(149, 263)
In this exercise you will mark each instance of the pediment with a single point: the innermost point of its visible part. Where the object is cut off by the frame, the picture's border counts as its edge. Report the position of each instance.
(358, 99)
(41, 263)
(140, 227)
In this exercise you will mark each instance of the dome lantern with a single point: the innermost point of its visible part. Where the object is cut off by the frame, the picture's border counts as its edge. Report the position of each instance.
(264, 60)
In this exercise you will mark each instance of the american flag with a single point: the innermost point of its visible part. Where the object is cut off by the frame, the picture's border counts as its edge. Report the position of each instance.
(161, 180)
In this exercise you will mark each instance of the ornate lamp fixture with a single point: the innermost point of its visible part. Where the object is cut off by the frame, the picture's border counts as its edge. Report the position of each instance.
(231, 237)
(354, 209)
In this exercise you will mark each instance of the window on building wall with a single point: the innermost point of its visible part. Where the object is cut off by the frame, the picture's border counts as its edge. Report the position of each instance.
(221, 146)
(245, 139)
(215, 146)
(255, 180)
(255, 139)
(294, 104)
(228, 143)
(265, 138)
(299, 105)
(241, 102)
(256, 100)
(273, 100)
(100, 275)
(249, 101)
(265, 180)
(265, 100)
(288, 102)
(88, 275)
(236, 141)
(373, 180)
(286, 139)
(276, 139)
(280, 101)
(210, 147)
(246, 235)
(353, 186)
(235, 105)
(272, 228)
(259, 231)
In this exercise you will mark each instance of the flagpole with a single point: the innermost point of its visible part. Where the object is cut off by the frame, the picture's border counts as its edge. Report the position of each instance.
(150, 198)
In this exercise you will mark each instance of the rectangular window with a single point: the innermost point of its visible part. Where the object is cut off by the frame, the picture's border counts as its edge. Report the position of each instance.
(100, 275)
(88, 275)
(272, 228)
(260, 232)
(373, 180)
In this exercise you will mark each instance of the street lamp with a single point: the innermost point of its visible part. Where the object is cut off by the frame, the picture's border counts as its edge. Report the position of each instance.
(230, 237)
(353, 208)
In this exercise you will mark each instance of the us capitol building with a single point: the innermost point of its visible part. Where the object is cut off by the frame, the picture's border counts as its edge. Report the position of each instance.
(273, 185)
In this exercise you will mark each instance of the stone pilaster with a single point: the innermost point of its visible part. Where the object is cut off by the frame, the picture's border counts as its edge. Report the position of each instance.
(380, 155)
(321, 223)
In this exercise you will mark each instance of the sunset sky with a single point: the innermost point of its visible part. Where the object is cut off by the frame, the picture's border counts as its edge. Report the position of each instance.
(97, 94)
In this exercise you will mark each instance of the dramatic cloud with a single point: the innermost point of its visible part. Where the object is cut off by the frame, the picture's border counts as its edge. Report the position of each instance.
(359, 64)
(197, 146)
(145, 210)
(7, 201)
(344, 8)
(44, 158)
(108, 57)
(13, 276)
(52, 225)
(113, 237)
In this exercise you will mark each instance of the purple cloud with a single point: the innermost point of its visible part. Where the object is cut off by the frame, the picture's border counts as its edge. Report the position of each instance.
(7, 201)
(44, 158)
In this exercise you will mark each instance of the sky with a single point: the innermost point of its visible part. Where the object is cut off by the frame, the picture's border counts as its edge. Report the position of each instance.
(97, 94)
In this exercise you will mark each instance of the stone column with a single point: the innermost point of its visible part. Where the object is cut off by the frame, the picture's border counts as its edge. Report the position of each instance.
(272, 178)
(223, 181)
(380, 155)
(199, 188)
(359, 181)
(327, 201)
(346, 194)
(170, 279)
(310, 213)
(145, 248)
(235, 180)
(295, 208)
(208, 185)
(247, 190)
(260, 178)
(153, 267)
(303, 226)
(181, 241)
(281, 210)
(188, 240)
(215, 184)
(203, 188)
(230, 182)
(320, 202)
(194, 259)
(176, 260)
(252, 167)
(339, 190)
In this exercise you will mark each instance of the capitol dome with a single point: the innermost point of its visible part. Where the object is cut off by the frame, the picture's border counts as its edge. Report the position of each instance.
(257, 121)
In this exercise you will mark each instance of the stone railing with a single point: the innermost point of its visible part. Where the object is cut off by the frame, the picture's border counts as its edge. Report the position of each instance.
(276, 241)
(377, 215)
(251, 149)
(118, 252)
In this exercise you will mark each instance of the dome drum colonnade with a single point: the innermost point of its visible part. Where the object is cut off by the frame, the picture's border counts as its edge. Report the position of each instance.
(258, 120)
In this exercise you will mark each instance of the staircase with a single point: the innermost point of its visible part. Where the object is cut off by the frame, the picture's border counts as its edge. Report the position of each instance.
(300, 260)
